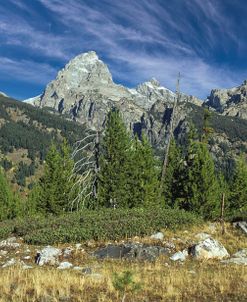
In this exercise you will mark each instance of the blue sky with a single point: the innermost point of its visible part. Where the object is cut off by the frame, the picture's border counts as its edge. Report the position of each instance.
(205, 40)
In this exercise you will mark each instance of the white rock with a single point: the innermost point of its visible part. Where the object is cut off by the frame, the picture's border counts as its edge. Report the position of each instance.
(209, 249)
(65, 265)
(10, 243)
(3, 253)
(27, 257)
(241, 225)
(48, 255)
(10, 262)
(181, 256)
(158, 236)
(67, 252)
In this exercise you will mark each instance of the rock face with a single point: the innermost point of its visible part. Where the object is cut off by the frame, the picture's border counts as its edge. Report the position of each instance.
(232, 102)
(208, 249)
(131, 251)
(85, 91)
(48, 255)
(239, 258)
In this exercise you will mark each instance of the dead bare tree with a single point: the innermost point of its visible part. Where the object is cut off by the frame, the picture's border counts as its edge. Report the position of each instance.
(170, 134)
(86, 166)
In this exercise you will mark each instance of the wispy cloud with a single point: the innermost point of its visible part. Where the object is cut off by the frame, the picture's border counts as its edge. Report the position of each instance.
(138, 39)
(25, 70)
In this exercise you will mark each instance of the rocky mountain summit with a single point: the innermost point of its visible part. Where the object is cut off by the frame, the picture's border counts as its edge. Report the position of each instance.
(84, 90)
(232, 102)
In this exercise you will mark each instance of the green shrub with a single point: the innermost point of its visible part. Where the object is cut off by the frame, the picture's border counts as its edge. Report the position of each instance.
(103, 224)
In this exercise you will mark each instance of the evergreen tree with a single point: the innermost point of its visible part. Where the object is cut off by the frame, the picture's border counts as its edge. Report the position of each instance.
(9, 203)
(201, 189)
(238, 188)
(171, 188)
(114, 163)
(53, 192)
(143, 180)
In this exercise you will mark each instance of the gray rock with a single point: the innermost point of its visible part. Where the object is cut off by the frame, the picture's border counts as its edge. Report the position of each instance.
(208, 249)
(9, 263)
(65, 265)
(10, 243)
(3, 253)
(239, 258)
(67, 252)
(131, 251)
(158, 236)
(180, 256)
(48, 255)
(87, 270)
(232, 102)
(241, 225)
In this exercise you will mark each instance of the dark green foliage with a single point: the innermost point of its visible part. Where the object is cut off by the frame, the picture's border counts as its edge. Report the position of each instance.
(114, 163)
(106, 224)
(6, 164)
(238, 187)
(171, 188)
(52, 194)
(200, 185)
(24, 170)
(9, 203)
(143, 178)
(34, 132)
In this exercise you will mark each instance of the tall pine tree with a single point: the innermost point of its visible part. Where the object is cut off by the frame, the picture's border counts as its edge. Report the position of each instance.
(238, 187)
(114, 163)
(143, 180)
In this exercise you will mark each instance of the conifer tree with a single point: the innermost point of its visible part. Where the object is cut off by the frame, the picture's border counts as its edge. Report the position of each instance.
(9, 205)
(201, 189)
(238, 188)
(114, 163)
(143, 180)
(171, 188)
(53, 191)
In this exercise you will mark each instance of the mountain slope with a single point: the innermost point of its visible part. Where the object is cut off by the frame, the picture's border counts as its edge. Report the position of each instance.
(232, 102)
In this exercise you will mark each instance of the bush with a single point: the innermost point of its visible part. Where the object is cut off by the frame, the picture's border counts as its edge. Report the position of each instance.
(104, 224)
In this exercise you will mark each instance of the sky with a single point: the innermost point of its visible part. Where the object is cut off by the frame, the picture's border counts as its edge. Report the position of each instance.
(204, 40)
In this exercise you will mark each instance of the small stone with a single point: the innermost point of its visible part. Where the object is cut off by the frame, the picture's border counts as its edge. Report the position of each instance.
(67, 252)
(87, 270)
(65, 265)
(158, 236)
(181, 256)
(27, 257)
(11, 262)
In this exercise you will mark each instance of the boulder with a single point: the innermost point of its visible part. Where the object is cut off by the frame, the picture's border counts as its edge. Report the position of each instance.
(158, 236)
(239, 258)
(48, 255)
(131, 251)
(10, 262)
(241, 225)
(65, 265)
(181, 256)
(208, 249)
(9, 243)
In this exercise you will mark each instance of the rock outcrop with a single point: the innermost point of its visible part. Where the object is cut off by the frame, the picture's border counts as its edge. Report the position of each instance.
(232, 102)
(85, 91)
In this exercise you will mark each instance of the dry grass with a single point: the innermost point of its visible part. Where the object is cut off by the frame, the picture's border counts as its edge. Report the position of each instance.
(160, 281)
(194, 281)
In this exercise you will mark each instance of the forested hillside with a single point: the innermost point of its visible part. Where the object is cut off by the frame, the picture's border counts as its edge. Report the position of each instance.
(26, 134)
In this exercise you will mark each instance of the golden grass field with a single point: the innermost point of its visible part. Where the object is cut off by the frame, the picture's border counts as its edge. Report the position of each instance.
(159, 281)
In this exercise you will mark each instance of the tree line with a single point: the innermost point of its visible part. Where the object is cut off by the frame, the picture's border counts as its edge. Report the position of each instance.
(128, 175)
